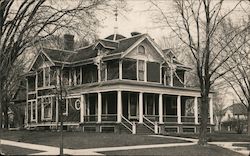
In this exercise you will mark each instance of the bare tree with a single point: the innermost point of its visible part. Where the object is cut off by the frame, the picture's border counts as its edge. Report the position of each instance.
(239, 78)
(24, 23)
(197, 23)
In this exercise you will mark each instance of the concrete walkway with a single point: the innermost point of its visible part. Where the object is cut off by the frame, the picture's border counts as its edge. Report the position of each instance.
(49, 150)
(229, 145)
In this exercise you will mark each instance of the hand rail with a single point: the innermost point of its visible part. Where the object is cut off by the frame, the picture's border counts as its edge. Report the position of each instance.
(152, 124)
(129, 123)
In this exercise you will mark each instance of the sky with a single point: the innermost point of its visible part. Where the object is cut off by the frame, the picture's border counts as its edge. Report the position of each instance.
(139, 19)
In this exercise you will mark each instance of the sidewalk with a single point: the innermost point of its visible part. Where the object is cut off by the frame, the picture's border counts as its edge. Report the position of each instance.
(49, 150)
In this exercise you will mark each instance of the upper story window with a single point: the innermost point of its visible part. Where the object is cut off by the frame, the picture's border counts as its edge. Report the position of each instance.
(141, 70)
(31, 83)
(141, 49)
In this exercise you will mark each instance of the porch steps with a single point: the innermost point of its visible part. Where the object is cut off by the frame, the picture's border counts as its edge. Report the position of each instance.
(124, 130)
(142, 129)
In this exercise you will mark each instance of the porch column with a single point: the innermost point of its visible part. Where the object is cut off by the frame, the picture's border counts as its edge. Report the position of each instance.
(160, 109)
(211, 110)
(83, 104)
(196, 121)
(179, 109)
(119, 106)
(99, 107)
(120, 70)
(140, 107)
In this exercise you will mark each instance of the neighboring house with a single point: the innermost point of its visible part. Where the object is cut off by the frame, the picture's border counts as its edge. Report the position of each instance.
(233, 115)
(115, 84)
(17, 105)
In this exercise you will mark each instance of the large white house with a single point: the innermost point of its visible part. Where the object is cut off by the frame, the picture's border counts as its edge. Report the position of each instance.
(116, 84)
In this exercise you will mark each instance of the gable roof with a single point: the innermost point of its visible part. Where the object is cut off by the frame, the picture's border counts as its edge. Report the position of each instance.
(114, 48)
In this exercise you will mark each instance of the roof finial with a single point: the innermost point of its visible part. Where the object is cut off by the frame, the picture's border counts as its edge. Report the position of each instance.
(116, 23)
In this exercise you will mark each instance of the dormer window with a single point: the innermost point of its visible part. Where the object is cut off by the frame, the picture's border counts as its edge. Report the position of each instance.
(141, 49)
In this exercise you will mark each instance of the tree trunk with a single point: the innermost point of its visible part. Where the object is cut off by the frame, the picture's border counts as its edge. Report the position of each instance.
(1, 101)
(204, 119)
(5, 116)
(248, 120)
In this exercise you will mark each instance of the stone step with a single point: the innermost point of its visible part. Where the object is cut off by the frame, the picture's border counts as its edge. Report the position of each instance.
(142, 129)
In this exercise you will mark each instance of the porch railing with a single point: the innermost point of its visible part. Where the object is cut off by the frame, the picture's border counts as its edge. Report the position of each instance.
(109, 117)
(199, 120)
(170, 118)
(151, 125)
(187, 119)
(153, 118)
(128, 125)
(90, 118)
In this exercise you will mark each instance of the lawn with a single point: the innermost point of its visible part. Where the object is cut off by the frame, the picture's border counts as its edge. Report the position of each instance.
(80, 140)
(12, 150)
(194, 150)
(219, 137)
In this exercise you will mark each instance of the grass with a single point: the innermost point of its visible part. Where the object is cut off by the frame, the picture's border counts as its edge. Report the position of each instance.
(219, 137)
(194, 150)
(79, 140)
(12, 150)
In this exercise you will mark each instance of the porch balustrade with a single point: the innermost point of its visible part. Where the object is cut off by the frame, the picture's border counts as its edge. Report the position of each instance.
(109, 117)
(170, 118)
(90, 118)
(199, 120)
(187, 119)
(153, 117)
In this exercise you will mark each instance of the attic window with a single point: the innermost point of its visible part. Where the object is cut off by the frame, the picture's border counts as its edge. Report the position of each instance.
(141, 49)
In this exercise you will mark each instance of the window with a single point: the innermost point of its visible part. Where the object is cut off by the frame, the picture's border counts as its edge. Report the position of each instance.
(78, 75)
(141, 70)
(141, 49)
(77, 104)
(33, 110)
(153, 72)
(113, 69)
(53, 76)
(31, 83)
(40, 78)
(129, 69)
(89, 74)
(65, 76)
(46, 76)
(47, 108)
(103, 72)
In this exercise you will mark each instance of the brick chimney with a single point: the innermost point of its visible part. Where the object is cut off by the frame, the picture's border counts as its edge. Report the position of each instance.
(68, 42)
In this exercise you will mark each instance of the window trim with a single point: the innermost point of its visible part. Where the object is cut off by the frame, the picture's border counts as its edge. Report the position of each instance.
(33, 102)
(42, 106)
(144, 49)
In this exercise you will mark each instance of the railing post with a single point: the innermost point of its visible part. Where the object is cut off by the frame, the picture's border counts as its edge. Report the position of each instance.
(156, 128)
(196, 110)
(179, 109)
(133, 128)
(99, 107)
(160, 109)
(119, 106)
(140, 107)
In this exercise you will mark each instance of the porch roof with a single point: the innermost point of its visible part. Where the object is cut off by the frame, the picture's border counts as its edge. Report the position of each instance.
(134, 86)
